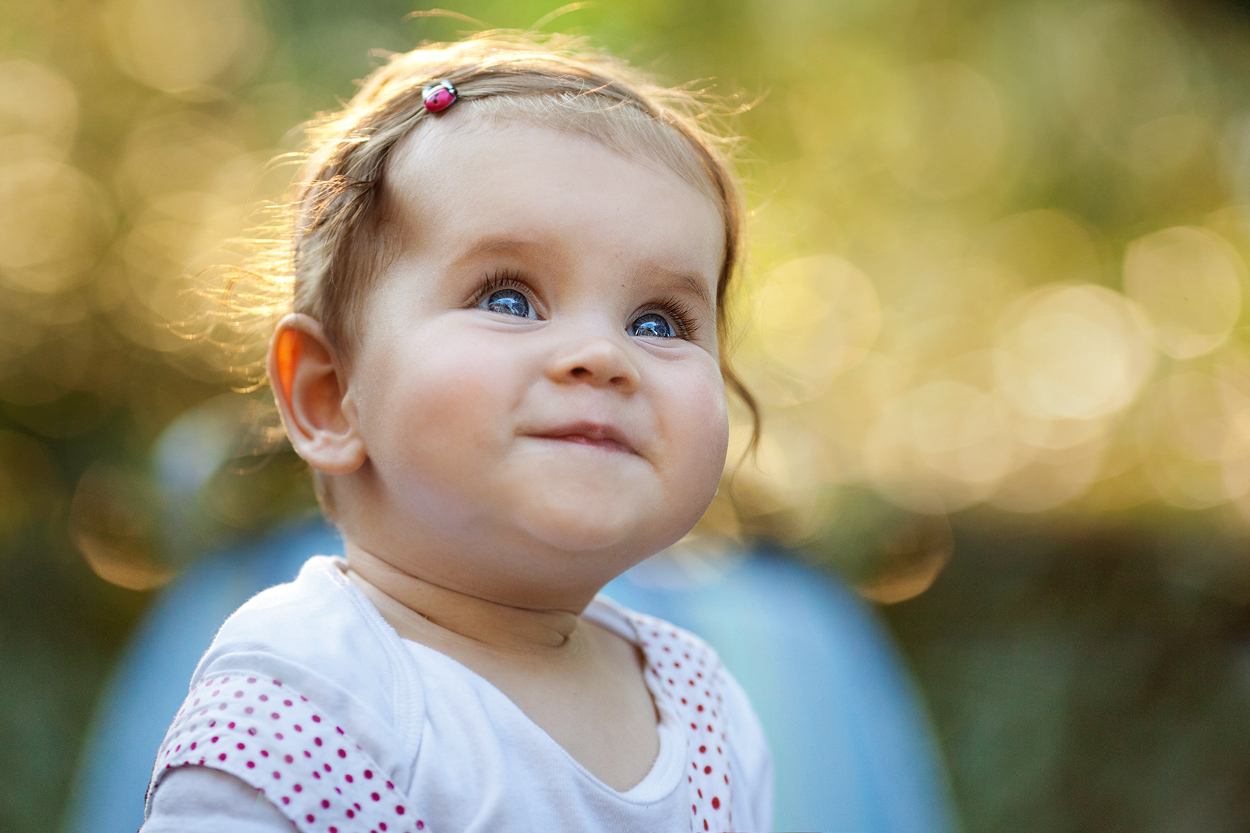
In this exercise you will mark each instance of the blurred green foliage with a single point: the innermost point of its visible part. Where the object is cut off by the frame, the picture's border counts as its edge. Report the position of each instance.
(994, 308)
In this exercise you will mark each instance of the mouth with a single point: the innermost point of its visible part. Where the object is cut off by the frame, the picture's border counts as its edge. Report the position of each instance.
(594, 435)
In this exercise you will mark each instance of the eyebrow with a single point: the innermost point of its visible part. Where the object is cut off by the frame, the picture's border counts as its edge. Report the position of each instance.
(496, 245)
(692, 281)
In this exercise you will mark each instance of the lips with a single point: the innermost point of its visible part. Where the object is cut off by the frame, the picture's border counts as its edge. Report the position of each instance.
(597, 435)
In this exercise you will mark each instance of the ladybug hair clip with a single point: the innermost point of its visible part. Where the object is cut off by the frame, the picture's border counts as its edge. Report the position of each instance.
(438, 95)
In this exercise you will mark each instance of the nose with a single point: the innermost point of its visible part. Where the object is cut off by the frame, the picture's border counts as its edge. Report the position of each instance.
(595, 361)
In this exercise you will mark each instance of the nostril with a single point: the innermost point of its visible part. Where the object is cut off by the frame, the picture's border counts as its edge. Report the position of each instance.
(579, 371)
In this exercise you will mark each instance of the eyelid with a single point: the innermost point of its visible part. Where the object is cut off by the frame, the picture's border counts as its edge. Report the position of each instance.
(680, 313)
(503, 279)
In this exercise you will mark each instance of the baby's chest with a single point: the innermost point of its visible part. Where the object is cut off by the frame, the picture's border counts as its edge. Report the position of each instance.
(604, 718)
(486, 765)
(637, 744)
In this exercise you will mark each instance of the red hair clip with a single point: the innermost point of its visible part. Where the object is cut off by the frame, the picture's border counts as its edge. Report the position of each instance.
(438, 95)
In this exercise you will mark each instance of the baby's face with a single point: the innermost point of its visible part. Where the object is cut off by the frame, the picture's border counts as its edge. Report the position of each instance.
(537, 384)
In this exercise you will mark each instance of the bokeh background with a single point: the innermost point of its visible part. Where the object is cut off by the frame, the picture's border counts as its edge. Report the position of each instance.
(994, 310)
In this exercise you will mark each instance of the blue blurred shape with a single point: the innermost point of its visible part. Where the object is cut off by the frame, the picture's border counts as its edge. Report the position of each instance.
(152, 676)
(851, 746)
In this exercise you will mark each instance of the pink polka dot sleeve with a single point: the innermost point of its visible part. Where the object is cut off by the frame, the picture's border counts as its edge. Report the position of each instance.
(689, 675)
(275, 740)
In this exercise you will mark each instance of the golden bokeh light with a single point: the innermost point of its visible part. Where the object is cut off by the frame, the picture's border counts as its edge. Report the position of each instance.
(1189, 283)
(54, 221)
(159, 250)
(1059, 434)
(185, 47)
(1051, 477)
(173, 152)
(920, 442)
(1071, 352)
(940, 447)
(845, 413)
(38, 112)
(816, 317)
(778, 488)
(911, 560)
(1195, 437)
(112, 519)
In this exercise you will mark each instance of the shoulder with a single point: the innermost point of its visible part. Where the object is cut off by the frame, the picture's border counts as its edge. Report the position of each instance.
(322, 638)
(321, 590)
(320, 620)
(653, 635)
(308, 694)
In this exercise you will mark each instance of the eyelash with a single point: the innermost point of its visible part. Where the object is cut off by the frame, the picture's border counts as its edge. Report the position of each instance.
(497, 280)
(678, 311)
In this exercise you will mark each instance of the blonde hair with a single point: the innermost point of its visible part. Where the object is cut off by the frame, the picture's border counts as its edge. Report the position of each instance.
(333, 239)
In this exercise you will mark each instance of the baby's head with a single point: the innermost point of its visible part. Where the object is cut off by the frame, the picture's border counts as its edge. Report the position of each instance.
(509, 328)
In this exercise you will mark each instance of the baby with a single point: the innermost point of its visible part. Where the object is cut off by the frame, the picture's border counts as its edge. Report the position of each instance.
(505, 365)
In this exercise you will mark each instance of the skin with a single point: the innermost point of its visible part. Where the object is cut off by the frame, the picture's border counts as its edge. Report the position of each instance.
(490, 471)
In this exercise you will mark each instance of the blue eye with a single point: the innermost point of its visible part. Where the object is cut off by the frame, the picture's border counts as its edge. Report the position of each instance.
(653, 325)
(507, 302)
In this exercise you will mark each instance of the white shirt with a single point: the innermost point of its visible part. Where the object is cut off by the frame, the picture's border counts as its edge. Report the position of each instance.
(306, 691)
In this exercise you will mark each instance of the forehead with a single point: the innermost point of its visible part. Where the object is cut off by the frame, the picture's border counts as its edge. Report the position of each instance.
(463, 179)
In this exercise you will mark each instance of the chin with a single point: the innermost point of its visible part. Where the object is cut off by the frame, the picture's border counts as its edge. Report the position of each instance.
(585, 527)
(579, 533)
(612, 549)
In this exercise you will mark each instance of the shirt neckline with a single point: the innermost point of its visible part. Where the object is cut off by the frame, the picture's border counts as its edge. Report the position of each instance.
(665, 773)
(659, 782)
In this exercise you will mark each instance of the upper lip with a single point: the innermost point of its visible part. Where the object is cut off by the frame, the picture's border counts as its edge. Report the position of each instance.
(593, 432)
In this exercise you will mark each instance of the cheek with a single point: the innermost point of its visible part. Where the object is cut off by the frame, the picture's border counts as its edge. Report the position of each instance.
(699, 430)
(436, 404)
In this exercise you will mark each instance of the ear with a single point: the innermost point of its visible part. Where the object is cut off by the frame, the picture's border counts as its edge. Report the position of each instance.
(310, 387)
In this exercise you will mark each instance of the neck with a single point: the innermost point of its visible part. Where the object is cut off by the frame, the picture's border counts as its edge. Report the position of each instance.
(419, 609)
